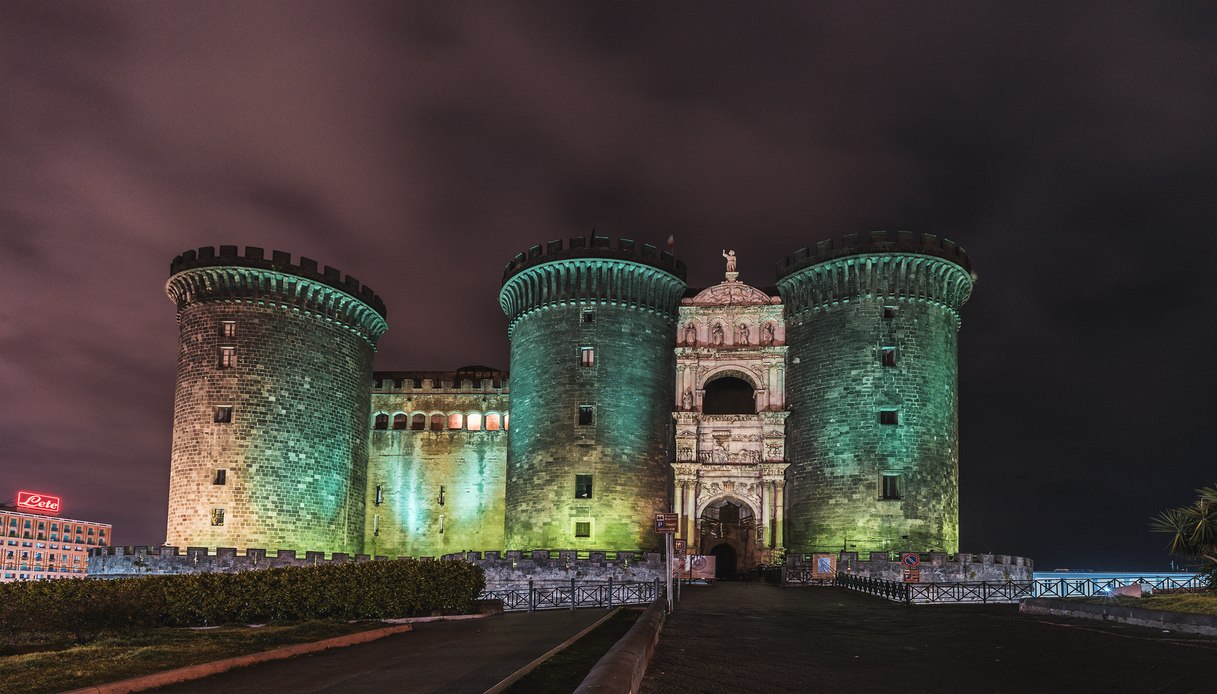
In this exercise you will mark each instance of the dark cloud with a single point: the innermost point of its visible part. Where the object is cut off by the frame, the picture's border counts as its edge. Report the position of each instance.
(419, 146)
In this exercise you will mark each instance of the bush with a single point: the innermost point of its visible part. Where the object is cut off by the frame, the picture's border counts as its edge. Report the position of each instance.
(354, 590)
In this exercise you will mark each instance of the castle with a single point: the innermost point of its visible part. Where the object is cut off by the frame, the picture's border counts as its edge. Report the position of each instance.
(820, 415)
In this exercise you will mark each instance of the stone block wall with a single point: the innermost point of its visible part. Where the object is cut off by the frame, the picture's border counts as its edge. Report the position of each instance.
(935, 567)
(556, 568)
(436, 491)
(121, 562)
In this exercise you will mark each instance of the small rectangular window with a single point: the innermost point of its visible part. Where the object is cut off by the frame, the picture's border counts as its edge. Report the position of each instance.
(583, 486)
(228, 328)
(889, 312)
(889, 417)
(223, 414)
(586, 413)
(889, 356)
(220, 477)
(217, 517)
(889, 486)
(588, 316)
(228, 357)
(587, 356)
(380, 495)
(583, 529)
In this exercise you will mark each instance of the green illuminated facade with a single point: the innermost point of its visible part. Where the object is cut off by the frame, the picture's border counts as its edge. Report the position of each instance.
(843, 433)
(872, 384)
(592, 331)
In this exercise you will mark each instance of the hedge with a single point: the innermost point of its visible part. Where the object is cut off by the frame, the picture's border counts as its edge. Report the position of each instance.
(353, 590)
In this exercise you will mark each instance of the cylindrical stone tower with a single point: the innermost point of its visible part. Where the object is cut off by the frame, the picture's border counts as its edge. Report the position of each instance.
(872, 384)
(592, 329)
(270, 416)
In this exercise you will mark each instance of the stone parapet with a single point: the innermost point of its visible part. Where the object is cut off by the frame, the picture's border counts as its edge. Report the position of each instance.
(558, 567)
(881, 242)
(596, 247)
(935, 567)
(120, 561)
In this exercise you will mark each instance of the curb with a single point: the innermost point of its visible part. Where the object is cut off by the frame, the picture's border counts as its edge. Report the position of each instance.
(1136, 616)
(194, 672)
(519, 674)
(623, 667)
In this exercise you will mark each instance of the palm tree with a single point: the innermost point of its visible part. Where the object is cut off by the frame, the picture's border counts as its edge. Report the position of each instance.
(1193, 530)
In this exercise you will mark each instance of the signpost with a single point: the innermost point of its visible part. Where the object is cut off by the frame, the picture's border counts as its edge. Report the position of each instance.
(665, 524)
(682, 549)
(910, 561)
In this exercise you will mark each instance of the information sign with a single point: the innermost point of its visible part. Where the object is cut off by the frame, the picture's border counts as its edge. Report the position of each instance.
(666, 522)
(912, 575)
(681, 547)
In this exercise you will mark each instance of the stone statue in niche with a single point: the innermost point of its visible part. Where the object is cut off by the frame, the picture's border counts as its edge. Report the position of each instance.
(690, 334)
(730, 256)
(717, 334)
(767, 335)
(744, 333)
(686, 399)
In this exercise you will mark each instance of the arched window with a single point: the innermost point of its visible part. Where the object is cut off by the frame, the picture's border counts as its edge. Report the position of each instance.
(473, 421)
(381, 421)
(400, 420)
(492, 421)
(729, 395)
(456, 420)
(418, 422)
(437, 422)
(506, 421)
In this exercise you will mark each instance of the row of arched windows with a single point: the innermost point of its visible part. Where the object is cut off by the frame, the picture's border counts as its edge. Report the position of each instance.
(438, 421)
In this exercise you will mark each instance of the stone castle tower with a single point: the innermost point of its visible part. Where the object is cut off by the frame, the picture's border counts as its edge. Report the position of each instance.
(270, 419)
(592, 327)
(872, 385)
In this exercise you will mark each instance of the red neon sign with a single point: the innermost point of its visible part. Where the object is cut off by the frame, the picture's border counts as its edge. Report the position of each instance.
(34, 501)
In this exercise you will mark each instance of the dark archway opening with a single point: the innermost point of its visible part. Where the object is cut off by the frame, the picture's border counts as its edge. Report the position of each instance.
(729, 395)
(724, 561)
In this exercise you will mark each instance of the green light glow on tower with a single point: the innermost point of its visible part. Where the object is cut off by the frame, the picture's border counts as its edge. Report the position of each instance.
(873, 388)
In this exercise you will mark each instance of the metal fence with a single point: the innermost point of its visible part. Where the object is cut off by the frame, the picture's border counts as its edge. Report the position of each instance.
(574, 595)
(982, 592)
(1066, 587)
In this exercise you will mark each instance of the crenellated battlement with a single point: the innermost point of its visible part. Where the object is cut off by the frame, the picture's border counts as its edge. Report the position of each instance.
(935, 567)
(596, 247)
(481, 380)
(557, 567)
(119, 561)
(874, 242)
(279, 261)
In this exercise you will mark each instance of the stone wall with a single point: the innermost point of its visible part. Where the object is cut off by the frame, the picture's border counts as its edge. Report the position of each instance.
(935, 567)
(843, 315)
(625, 311)
(437, 491)
(547, 568)
(118, 562)
(293, 447)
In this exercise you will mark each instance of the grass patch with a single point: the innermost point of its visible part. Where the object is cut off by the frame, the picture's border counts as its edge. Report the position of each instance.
(118, 656)
(1195, 603)
(564, 671)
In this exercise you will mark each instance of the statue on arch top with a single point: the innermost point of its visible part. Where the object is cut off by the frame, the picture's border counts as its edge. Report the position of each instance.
(731, 262)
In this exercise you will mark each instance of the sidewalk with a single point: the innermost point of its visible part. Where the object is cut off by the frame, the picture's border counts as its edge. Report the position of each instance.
(756, 637)
(458, 656)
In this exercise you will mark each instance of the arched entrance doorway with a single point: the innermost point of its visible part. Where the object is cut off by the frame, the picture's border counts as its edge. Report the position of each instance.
(725, 561)
(728, 532)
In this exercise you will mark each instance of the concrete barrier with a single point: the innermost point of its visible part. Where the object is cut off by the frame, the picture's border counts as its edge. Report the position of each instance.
(1136, 616)
(621, 669)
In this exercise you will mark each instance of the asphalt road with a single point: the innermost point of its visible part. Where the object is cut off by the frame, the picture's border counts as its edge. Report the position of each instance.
(737, 637)
(460, 656)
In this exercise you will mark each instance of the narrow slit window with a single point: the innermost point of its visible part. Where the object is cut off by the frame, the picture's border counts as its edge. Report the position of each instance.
(220, 477)
(222, 414)
(228, 328)
(586, 415)
(889, 417)
(380, 494)
(889, 356)
(217, 517)
(889, 312)
(587, 356)
(228, 357)
(583, 486)
(587, 317)
(583, 529)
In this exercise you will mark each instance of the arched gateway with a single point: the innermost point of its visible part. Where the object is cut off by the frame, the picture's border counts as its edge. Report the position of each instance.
(730, 425)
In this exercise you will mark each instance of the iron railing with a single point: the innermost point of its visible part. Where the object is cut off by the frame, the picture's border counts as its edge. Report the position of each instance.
(1066, 587)
(983, 592)
(574, 595)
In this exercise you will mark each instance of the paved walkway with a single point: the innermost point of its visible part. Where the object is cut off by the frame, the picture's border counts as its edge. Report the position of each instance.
(737, 637)
(460, 656)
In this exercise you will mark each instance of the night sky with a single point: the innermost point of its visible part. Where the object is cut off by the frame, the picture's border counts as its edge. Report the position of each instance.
(1071, 148)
